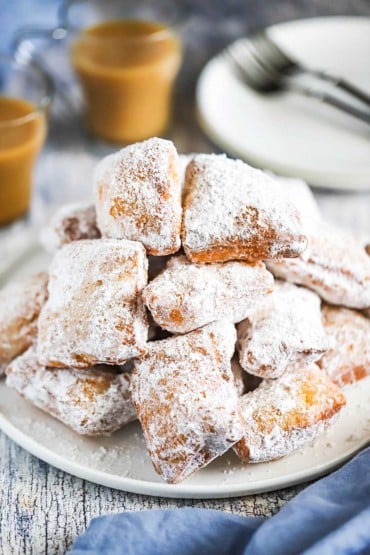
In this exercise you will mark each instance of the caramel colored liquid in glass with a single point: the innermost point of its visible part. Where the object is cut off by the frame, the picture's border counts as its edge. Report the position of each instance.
(127, 70)
(20, 142)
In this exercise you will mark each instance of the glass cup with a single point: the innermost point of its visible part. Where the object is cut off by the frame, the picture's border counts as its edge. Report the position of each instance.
(126, 56)
(127, 70)
(25, 95)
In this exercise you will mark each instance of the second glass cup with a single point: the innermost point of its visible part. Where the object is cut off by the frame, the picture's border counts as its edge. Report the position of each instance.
(25, 96)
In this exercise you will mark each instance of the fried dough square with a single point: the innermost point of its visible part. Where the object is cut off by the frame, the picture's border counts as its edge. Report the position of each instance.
(20, 305)
(94, 314)
(138, 196)
(235, 212)
(92, 402)
(186, 296)
(334, 265)
(282, 415)
(184, 394)
(348, 357)
(71, 222)
(287, 333)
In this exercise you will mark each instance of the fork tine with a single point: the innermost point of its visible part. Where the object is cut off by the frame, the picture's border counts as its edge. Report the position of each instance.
(248, 66)
(272, 72)
(262, 59)
(269, 47)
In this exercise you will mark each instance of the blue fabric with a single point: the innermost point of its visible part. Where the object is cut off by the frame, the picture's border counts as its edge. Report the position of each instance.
(330, 517)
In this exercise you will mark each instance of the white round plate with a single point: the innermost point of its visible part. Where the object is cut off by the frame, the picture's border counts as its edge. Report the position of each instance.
(285, 132)
(121, 460)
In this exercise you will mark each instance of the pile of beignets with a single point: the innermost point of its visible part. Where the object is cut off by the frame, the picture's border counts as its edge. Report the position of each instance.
(251, 321)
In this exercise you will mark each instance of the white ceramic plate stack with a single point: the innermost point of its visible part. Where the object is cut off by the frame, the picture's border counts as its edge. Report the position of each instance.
(285, 132)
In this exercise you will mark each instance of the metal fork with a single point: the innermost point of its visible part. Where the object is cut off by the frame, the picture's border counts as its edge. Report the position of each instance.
(264, 67)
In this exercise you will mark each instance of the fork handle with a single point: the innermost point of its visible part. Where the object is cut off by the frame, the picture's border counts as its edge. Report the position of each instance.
(332, 100)
(340, 83)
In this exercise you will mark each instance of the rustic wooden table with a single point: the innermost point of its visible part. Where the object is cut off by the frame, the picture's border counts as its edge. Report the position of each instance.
(43, 509)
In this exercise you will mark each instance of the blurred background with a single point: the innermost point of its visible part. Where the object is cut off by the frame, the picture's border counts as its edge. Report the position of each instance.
(63, 171)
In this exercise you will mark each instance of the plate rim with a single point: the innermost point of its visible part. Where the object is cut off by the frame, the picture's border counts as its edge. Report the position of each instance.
(179, 491)
(347, 181)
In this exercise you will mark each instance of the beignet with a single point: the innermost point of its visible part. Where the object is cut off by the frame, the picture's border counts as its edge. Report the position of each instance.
(138, 196)
(348, 358)
(184, 394)
(20, 305)
(334, 265)
(71, 222)
(187, 296)
(289, 333)
(91, 402)
(235, 212)
(282, 415)
(94, 314)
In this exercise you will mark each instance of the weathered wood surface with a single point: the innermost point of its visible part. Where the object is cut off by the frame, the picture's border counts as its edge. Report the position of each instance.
(43, 509)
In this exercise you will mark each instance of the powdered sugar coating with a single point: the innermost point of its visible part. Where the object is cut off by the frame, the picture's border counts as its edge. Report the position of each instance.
(94, 314)
(138, 195)
(289, 333)
(298, 193)
(334, 265)
(348, 358)
(187, 296)
(71, 222)
(184, 394)
(91, 402)
(283, 415)
(20, 305)
(235, 212)
(184, 161)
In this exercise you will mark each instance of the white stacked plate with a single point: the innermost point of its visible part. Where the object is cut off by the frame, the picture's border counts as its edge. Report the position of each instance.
(285, 132)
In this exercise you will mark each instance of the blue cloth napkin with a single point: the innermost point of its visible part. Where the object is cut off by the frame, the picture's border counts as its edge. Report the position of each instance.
(330, 517)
